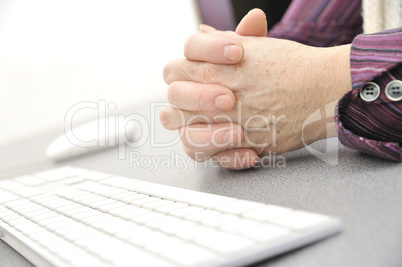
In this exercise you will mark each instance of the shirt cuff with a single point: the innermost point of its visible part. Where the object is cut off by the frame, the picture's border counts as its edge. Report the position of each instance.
(373, 127)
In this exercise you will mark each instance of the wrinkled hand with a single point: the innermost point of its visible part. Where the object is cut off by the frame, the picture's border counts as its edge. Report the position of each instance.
(278, 84)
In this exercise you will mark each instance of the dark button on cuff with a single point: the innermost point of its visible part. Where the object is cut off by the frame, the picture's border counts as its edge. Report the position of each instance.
(394, 90)
(370, 91)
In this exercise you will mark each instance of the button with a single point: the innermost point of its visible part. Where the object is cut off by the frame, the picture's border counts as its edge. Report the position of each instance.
(394, 90)
(370, 92)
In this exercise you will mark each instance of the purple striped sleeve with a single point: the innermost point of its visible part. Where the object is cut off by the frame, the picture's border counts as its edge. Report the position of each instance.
(320, 22)
(373, 127)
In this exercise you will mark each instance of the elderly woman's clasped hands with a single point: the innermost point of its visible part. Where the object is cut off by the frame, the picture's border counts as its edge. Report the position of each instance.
(239, 95)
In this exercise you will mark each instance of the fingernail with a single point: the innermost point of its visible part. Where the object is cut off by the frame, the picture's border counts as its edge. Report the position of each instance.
(224, 102)
(233, 53)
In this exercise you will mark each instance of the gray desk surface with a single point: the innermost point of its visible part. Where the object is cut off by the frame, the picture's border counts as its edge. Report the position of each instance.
(363, 191)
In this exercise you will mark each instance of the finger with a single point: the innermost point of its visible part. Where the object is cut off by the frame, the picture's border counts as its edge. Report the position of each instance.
(201, 72)
(173, 118)
(213, 49)
(206, 28)
(201, 97)
(236, 159)
(211, 138)
(253, 24)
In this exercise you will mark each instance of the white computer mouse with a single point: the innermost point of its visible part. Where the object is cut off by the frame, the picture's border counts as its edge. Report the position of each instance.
(92, 136)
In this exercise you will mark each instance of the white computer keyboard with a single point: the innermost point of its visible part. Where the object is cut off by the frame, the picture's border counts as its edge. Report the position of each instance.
(76, 217)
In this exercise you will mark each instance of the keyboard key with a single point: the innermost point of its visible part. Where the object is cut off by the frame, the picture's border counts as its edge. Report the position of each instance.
(223, 243)
(82, 197)
(173, 225)
(266, 213)
(187, 254)
(147, 217)
(78, 234)
(162, 221)
(10, 185)
(29, 180)
(186, 196)
(220, 220)
(11, 217)
(121, 195)
(134, 185)
(74, 180)
(28, 228)
(185, 211)
(239, 206)
(142, 201)
(301, 221)
(256, 231)
(5, 212)
(164, 241)
(54, 226)
(102, 202)
(156, 204)
(49, 221)
(95, 176)
(53, 175)
(170, 207)
(96, 218)
(202, 215)
(46, 238)
(121, 209)
(138, 235)
(27, 192)
(116, 225)
(7, 197)
(134, 213)
(30, 215)
(43, 216)
(114, 180)
(69, 171)
(190, 233)
(77, 227)
(17, 221)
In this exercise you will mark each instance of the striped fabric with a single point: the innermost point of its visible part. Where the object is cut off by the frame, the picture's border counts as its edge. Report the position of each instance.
(371, 127)
(320, 22)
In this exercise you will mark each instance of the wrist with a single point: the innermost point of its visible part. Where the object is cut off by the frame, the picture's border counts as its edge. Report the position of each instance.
(332, 81)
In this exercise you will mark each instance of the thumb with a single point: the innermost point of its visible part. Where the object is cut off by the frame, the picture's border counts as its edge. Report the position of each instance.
(253, 24)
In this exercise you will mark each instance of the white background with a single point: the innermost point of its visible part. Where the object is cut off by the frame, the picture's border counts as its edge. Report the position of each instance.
(54, 54)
